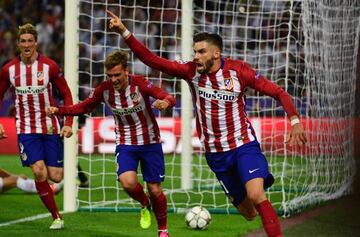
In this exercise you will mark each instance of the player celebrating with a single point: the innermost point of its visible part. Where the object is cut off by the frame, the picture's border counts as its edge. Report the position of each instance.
(137, 133)
(232, 151)
(32, 76)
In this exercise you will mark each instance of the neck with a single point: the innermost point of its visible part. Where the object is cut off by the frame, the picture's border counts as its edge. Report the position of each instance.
(29, 60)
(216, 66)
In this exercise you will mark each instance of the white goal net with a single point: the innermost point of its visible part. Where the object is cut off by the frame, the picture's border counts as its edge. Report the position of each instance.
(307, 47)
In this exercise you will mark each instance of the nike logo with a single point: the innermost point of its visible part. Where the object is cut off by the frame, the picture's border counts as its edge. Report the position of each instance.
(252, 171)
(59, 161)
(161, 176)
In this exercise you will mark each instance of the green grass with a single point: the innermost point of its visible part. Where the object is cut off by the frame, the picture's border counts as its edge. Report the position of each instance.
(16, 205)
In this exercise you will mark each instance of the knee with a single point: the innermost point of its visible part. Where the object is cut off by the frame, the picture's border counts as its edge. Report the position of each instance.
(127, 184)
(154, 190)
(256, 196)
(40, 172)
(56, 177)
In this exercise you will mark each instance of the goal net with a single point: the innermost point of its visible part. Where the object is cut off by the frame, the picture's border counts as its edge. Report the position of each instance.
(307, 47)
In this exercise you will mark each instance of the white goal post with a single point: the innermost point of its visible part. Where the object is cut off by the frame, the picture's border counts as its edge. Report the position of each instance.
(307, 47)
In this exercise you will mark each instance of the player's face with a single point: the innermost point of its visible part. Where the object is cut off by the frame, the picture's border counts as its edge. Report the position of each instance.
(205, 56)
(27, 46)
(118, 77)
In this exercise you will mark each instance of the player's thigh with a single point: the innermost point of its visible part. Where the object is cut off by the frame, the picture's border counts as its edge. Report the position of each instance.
(252, 164)
(128, 179)
(126, 159)
(31, 148)
(54, 151)
(152, 163)
(222, 164)
(232, 187)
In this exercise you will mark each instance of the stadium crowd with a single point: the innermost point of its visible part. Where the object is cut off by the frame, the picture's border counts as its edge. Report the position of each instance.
(48, 16)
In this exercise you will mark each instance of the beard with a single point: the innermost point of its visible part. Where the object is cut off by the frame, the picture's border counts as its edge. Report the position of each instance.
(207, 66)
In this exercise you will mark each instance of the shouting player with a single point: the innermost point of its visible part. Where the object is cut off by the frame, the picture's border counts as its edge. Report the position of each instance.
(217, 86)
(137, 133)
(33, 76)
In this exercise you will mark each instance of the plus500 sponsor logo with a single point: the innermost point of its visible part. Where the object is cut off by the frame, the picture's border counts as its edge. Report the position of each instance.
(30, 90)
(216, 94)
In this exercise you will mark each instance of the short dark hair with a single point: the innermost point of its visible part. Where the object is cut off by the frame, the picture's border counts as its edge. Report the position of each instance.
(27, 29)
(115, 58)
(211, 38)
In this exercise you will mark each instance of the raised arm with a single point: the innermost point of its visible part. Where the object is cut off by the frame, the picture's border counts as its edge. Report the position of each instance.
(181, 70)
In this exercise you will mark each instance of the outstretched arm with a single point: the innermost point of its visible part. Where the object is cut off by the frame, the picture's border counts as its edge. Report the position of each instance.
(258, 82)
(181, 70)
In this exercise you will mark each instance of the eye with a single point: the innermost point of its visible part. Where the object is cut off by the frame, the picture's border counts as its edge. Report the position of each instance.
(113, 75)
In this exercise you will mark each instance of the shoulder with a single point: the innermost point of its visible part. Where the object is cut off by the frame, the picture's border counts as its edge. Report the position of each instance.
(233, 63)
(10, 63)
(138, 80)
(47, 60)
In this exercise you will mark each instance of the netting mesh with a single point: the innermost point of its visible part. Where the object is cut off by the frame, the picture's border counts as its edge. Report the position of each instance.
(307, 47)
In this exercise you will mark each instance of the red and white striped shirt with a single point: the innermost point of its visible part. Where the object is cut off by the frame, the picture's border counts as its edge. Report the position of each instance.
(221, 120)
(32, 85)
(135, 122)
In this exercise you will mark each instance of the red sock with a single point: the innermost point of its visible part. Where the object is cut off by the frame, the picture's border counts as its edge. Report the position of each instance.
(139, 195)
(159, 207)
(269, 219)
(47, 197)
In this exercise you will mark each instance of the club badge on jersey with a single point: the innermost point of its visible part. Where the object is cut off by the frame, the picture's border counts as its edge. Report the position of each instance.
(40, 76)
(229, 83)
(135, 98)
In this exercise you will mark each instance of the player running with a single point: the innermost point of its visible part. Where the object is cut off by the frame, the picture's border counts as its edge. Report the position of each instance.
(137, 133)
(33, 76)
(217, 86)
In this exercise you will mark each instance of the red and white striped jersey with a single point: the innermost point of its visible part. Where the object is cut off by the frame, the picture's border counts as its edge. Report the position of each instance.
(32, 85)
(221, 120)
(135, 122)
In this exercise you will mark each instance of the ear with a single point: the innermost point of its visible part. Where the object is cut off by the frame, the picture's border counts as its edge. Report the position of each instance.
(217, 53)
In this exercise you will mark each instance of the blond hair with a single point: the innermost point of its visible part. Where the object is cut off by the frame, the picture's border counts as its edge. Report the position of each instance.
(115, 58)
(27, 29)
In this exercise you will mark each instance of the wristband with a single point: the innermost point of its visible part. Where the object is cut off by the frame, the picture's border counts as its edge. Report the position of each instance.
(294, 121)
(125, 33)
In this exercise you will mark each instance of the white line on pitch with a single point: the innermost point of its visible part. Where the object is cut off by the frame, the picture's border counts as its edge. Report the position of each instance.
(30, 218)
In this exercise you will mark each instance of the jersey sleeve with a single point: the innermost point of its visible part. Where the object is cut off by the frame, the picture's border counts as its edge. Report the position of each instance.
(174, 68)
(57, 78)
(154, 91)
(4, 84)
(258, 82)
(88, 105)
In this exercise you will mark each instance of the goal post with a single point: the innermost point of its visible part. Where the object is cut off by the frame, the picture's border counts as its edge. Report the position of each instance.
(71, 74)
(307, 47)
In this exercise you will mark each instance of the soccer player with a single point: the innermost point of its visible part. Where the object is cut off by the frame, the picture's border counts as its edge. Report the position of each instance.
(137, 133)
(33, 76)
(217, 85)
(9, 181)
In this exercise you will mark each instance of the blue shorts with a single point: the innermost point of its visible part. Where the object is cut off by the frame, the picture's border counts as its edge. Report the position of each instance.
(46, 147)
(236, 167)
(150, 156)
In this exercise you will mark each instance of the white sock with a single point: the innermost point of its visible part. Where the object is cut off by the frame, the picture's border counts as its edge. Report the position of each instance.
(27, 185)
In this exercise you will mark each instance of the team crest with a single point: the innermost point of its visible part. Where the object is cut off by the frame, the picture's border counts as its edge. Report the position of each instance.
(40, 76)
(135, 98)
(229, 83)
